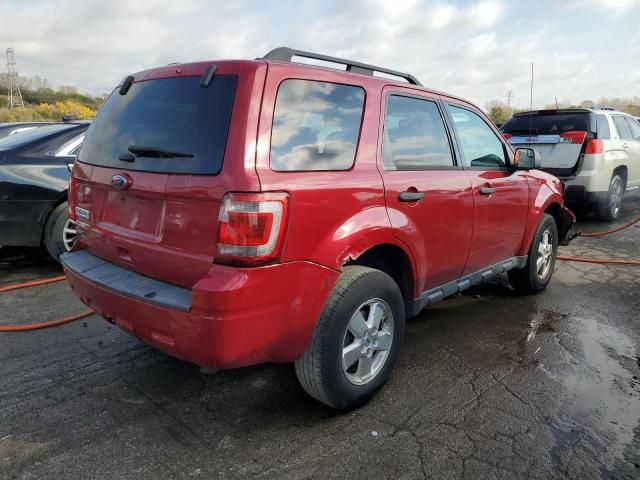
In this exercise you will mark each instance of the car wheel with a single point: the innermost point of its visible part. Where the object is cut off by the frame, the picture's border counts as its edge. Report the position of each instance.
(59, 231)
(541, 260)
(355, 344)
(609, 208)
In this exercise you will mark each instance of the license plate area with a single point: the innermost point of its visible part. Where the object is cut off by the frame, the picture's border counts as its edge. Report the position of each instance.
(133, 215)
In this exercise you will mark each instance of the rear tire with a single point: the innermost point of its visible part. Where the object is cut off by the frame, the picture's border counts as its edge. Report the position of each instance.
(609, 208)
(356, 342)
(541, 260)
(59, 231)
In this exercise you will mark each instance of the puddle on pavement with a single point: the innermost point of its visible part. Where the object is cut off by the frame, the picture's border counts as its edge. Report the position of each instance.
(602, 386)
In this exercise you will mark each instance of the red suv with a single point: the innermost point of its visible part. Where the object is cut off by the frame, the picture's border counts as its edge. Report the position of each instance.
(237, 212)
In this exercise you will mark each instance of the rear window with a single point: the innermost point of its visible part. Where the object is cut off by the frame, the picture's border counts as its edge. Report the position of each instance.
(175, 125)
(315, 126)
(551, 123)
(604, 133)
(32, 135)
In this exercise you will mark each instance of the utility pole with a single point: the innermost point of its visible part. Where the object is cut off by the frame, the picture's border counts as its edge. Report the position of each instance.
(15, 97)
(509, 97)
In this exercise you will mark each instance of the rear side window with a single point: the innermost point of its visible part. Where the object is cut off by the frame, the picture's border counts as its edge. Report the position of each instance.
(635, 128)
(548, 123)
(414, 135)
(603, 127)
(623, 128)
(316, 126)
(480, 146)
(175, 125)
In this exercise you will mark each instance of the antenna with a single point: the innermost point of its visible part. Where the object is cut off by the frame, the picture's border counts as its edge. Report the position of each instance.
(531, 108)
(556, 102)
(15, 97)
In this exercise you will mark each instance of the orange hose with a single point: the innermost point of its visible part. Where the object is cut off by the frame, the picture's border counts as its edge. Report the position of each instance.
(598, 261)
(39, 326)
(609, 232)
(33, 283)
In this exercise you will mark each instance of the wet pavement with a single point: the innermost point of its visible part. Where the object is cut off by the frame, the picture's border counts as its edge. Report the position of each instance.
(489, 385)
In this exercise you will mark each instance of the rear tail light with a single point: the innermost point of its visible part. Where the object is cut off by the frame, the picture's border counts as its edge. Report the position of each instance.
(72, 199)
(594, 146)
(574, 137)
(507, 136)
(251, 228)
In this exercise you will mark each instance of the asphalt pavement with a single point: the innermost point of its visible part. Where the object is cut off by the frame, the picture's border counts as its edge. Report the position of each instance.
(488, 385)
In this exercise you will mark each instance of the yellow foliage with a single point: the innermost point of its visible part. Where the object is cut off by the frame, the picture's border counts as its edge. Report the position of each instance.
(46, 111)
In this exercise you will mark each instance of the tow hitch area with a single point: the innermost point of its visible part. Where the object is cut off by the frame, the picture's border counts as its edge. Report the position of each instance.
(566, 231)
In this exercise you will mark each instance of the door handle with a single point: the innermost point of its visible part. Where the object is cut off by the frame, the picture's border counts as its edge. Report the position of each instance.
(410, 196)
(487, 190)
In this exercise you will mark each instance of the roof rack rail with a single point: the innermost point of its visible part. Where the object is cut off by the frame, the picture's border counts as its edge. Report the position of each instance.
(602, 107)
(285, 54)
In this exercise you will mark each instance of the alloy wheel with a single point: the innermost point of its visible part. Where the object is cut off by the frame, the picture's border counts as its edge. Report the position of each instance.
(615, 198)
(367, 341)
(69, 234)
(545, 254)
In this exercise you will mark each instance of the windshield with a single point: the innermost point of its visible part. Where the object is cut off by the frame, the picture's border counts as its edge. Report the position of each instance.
(548, 123)
(141, 129)
(32, 135)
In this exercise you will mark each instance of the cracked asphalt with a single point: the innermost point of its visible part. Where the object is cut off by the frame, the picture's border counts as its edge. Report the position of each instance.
(489, 385)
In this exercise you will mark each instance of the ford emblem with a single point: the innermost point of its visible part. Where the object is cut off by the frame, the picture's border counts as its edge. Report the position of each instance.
(121, 182)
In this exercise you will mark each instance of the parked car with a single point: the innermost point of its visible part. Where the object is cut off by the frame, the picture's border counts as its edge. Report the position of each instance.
(595, 152)
(238, 212)
(34, 179)
(12, 128)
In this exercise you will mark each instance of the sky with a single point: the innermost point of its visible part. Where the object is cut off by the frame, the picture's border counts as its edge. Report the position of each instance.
(479, 50)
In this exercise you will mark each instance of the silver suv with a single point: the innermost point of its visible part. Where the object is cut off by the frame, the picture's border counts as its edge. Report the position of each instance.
(595, 152)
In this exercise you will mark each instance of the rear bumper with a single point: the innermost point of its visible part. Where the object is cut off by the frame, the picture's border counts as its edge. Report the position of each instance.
(234, 317)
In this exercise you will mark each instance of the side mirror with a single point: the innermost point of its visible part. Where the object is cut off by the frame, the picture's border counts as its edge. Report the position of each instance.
(527, 159)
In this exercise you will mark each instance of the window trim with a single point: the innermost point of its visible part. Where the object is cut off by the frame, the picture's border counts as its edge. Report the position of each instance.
(273, 116)
(506, 151)
(454, 157)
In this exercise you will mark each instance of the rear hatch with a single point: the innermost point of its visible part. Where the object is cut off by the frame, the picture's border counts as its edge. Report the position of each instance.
(150, 178)
(559, 135)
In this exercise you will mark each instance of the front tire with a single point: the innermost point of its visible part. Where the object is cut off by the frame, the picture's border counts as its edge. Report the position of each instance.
(356, 342)
(609, 208)
(541, 260)
(59, 231)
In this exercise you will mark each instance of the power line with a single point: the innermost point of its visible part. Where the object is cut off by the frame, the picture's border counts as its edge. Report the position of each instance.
(15, 97)
(509, 97)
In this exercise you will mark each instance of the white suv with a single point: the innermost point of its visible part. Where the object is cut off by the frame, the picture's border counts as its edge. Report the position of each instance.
(595, 152)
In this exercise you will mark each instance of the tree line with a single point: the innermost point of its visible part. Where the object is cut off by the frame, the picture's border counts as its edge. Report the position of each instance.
(44, 103)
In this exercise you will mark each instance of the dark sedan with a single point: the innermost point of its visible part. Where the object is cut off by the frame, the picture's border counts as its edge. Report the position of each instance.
(13, 128)
(34, 179)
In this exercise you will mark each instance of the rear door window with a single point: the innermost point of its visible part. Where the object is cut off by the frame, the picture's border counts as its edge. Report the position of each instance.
(623, 128)
(170, 125)
(414, 135)
(635, 128)
(316, 126)
(603, 127)
(480, 146)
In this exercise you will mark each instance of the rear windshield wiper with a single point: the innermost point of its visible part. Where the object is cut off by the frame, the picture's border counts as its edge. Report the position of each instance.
(152, 152)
